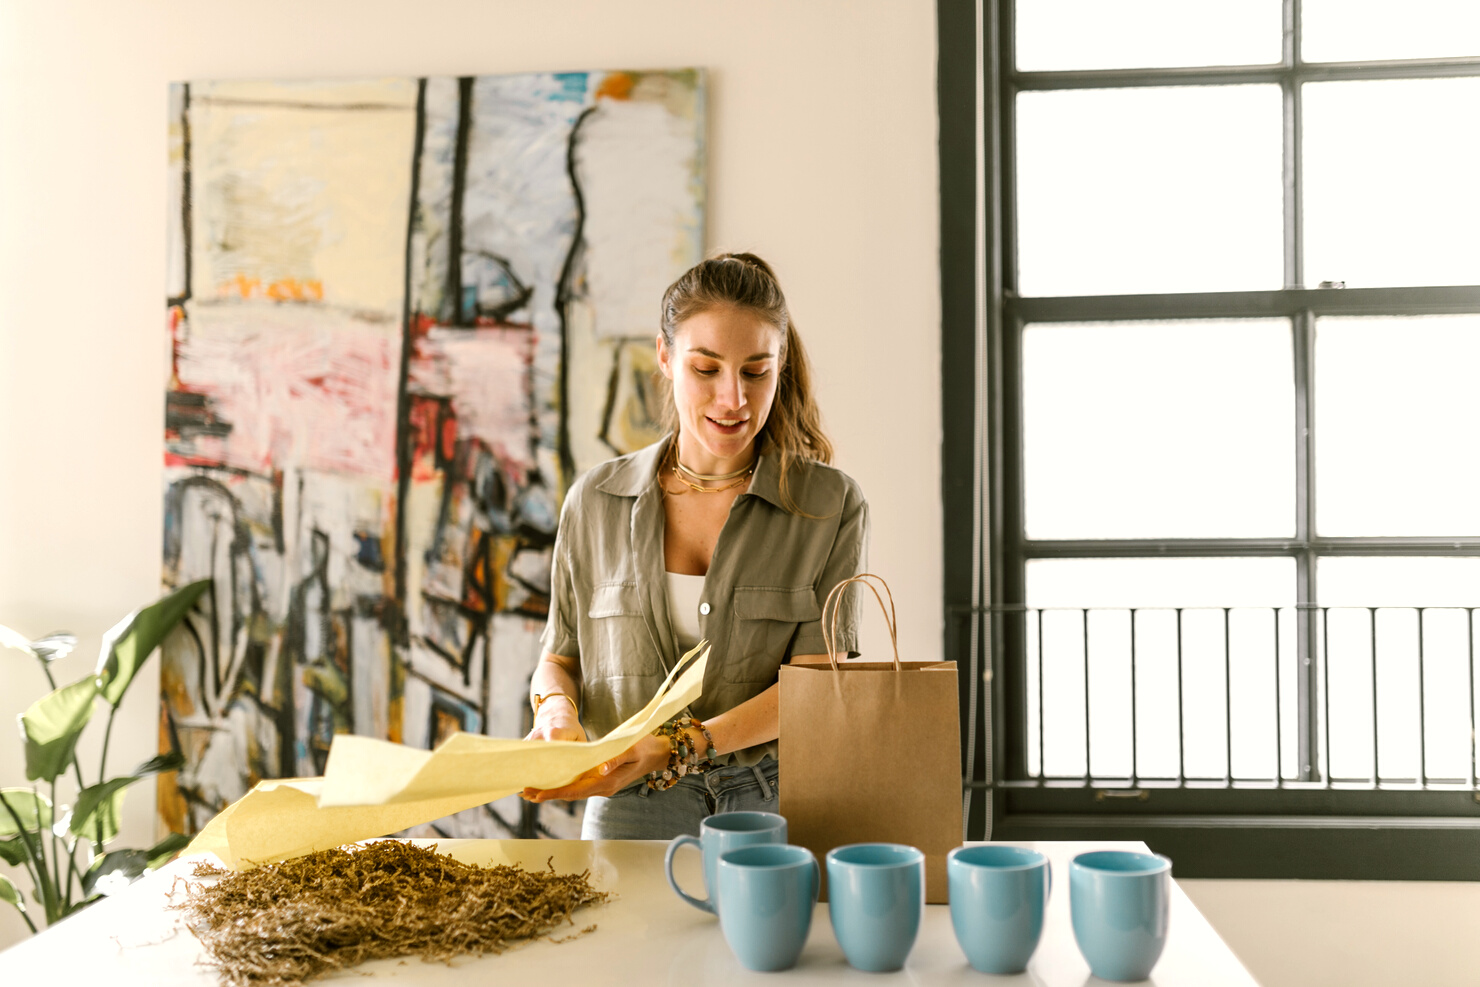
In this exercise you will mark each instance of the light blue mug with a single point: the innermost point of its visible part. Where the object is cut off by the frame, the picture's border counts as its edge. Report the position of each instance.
(766, 894)
(998, 896)
(717, 834)
(1119, 902)
(876, 897)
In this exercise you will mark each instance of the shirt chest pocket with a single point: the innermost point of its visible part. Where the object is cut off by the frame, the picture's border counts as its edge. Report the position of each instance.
(766, 618)
(623, 645)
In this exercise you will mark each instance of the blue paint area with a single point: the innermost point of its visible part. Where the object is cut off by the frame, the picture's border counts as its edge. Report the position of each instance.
(368, 553)
(573, 86)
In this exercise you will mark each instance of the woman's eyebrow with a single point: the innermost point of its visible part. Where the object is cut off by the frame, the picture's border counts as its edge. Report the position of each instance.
(754, 357)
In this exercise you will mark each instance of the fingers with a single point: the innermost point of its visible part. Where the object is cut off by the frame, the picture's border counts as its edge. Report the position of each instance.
(606, 779)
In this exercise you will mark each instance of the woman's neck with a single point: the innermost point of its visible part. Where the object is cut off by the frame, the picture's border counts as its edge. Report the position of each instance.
(697, 459)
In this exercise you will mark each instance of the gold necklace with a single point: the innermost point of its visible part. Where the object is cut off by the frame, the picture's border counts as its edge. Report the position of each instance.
(711, 477)
(675, 466)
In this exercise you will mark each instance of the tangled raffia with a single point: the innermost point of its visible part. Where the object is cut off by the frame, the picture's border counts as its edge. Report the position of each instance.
(303, 918)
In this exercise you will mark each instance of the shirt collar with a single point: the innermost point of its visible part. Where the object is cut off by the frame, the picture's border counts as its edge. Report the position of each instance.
(633, 474)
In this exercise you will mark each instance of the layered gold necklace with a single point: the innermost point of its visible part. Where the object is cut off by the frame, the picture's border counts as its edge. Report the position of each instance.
(689, 477)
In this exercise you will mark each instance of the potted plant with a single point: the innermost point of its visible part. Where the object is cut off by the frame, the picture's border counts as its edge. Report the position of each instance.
(42, 836)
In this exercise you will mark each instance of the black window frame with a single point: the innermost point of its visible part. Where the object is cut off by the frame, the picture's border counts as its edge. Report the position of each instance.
(1280, 831)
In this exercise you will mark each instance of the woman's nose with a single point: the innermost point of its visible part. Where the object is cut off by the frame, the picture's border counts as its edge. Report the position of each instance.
(732, 392)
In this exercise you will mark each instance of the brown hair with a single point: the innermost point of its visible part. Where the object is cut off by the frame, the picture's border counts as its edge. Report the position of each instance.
(793, 429)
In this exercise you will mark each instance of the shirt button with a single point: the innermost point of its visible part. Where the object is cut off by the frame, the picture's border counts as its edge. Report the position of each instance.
(704, 609)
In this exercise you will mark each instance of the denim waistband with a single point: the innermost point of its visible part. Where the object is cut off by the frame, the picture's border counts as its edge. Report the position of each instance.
(717, 781)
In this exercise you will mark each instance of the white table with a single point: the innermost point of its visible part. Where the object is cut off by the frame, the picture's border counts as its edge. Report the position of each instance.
(645, 936)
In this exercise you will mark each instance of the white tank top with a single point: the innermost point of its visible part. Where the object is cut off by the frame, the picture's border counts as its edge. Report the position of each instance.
(684, 596)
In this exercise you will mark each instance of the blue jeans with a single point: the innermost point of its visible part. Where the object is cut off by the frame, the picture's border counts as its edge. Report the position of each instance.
(638, 813)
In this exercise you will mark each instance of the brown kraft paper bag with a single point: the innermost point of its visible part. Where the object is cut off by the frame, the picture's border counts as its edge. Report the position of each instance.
(871, 751)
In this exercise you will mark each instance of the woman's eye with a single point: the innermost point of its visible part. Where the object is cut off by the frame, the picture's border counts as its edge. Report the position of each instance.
(757, 374)
(702, 372)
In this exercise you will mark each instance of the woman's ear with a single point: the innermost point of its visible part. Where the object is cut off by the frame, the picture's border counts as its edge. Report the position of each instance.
(665, 357)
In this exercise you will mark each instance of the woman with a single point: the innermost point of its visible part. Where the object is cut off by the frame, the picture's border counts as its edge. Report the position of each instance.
(731, 529)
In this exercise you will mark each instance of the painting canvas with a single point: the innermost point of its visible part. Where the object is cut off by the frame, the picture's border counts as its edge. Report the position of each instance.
(403, 316)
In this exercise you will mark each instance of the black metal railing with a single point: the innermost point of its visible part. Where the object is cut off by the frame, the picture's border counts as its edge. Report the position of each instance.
(1206, 697)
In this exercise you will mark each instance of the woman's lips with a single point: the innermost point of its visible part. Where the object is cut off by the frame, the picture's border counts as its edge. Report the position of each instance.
(727, 426)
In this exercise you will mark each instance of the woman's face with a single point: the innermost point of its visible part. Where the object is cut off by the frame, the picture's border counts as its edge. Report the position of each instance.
(723, 364)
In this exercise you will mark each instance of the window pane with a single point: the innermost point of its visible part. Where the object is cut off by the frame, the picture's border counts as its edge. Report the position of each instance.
(1093, 34)
(1390, 190)
(1149, 190)
(1392, 639)
(1161, 582)
(1361, 30)
(1229, 664)
(1396, 409)
(1159, 429)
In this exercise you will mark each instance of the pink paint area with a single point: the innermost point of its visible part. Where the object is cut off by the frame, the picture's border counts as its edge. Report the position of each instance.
(310, 388)
(485, 372)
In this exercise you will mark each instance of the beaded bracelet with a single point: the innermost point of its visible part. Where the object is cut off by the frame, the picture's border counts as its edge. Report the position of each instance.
(683, 757)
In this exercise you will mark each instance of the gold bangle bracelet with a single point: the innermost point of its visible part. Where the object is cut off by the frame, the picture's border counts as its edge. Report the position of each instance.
(551, 695)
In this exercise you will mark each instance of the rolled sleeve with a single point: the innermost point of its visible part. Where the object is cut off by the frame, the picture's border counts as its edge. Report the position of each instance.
(848, 558)
(560, 637)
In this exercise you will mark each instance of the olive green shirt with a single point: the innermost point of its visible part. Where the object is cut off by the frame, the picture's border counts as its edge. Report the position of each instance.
(771, 571)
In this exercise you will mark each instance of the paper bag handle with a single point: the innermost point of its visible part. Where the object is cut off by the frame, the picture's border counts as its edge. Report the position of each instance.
(835, 603)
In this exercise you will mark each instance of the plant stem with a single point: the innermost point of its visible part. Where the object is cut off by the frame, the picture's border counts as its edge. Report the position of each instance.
(102, 774)
(72, 876)
(27, 917)
(107, 736)
(25, 838)
(37, 854)
(56, 861)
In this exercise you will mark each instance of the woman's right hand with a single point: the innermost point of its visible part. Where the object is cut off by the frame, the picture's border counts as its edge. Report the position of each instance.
(557, 720)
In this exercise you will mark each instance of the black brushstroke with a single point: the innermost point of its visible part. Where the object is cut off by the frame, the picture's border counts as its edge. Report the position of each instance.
(190, 414)
(397, 614)
(445, 467)
(482, 587)
(460, 316)
(522, 291)
(186, 193)
(500, 821)
(563, 296)
(279, 539)
(441, 651)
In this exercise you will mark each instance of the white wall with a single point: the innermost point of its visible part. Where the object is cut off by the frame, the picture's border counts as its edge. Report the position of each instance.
(822, 159)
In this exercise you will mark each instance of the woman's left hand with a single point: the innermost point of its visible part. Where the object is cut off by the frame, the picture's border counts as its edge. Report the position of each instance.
(643, 758)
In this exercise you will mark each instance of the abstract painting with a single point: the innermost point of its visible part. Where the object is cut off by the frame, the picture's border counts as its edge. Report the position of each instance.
(403, 316)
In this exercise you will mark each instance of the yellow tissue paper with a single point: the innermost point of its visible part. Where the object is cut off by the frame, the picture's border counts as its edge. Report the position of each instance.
(373, 787)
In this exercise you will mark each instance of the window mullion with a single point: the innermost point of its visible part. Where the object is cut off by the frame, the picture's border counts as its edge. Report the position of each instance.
(1291, 143)
(1307, 693)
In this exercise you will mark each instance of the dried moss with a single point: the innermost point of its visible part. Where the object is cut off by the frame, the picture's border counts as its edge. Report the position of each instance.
(304, 918)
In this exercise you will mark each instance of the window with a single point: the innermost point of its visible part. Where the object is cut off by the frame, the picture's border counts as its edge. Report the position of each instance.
(1211, 324)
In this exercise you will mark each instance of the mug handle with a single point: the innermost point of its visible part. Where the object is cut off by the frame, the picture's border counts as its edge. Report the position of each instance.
(816, 880)
(703, 904)
(1047, 881)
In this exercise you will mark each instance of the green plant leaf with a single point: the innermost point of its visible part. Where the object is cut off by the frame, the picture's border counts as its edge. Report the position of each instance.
(133, 639)
(9, 892)
(113, 872)
(160, 763)
(52, 726)
(34, 811)
(13, 851)
(96, 815)
(164, 851)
